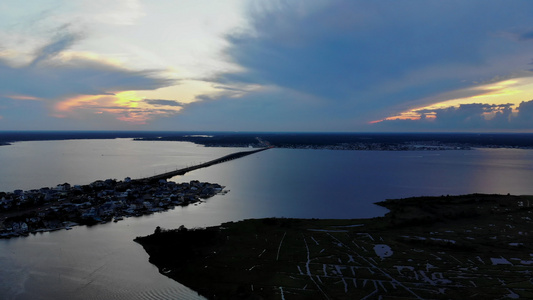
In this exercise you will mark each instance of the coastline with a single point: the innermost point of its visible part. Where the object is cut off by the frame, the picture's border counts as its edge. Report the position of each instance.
(99, 202)
(298, 140)
(184, 216)
(425, 247)
(50, 209)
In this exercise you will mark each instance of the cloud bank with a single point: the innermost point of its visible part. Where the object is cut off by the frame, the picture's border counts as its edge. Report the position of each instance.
(299, 65)
(53, 76)
(364, 60)
(468, 117)
(74, 85)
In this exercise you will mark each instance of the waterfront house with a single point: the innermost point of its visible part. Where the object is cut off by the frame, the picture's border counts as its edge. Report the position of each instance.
(63, 187)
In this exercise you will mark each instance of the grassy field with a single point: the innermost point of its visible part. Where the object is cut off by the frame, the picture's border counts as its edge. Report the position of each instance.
(464, 247)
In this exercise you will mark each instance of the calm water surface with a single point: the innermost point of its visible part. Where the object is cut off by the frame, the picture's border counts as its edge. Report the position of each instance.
(345, 184)
(102, 262)
(36, 164)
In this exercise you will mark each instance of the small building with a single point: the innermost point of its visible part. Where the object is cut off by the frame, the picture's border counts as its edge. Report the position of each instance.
(63, 187)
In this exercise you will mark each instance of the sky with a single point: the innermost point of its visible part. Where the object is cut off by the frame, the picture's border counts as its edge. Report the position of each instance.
(268, 65)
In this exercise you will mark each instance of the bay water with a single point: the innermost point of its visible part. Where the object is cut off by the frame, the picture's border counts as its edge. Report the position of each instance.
(103, 262)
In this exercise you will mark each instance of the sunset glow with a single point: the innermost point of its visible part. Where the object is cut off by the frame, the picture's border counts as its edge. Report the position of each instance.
(346, 65)
(125, 106)
(22, 97)
(499, 95)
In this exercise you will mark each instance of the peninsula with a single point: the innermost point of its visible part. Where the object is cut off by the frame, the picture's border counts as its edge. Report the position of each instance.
(450, 247)
(64, 206)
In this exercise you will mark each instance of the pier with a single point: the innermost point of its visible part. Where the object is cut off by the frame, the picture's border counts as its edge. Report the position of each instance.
(203, 165)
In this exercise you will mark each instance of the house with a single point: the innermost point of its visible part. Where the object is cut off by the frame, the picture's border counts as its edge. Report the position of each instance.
(97, 184)
(63, 187)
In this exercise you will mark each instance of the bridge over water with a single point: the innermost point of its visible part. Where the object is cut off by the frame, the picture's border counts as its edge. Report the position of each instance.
(203, 165)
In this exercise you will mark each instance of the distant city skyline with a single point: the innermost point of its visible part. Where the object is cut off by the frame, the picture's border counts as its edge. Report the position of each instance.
(237, 65)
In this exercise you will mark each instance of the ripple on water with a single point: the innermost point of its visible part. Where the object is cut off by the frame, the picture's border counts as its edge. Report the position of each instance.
(180, 292)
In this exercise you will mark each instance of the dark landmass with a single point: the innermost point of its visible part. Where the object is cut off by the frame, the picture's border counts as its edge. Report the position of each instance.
(324, 139)
(7, 137)
(356, 141)
(459, 247)
(49, 209)
(335, 141)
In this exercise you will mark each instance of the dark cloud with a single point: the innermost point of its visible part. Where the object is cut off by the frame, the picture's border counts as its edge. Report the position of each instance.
(62, 41)
(368, 56)
(263, 110)
(75, 77)
(527, 36)
(472, 116)
(467, 117)
(53, 77)
(160, 102)
(524, 118)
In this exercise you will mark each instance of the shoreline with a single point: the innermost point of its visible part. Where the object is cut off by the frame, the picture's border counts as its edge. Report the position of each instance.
(444, 247)
(333, 141)
(102, 202)
(50, 209)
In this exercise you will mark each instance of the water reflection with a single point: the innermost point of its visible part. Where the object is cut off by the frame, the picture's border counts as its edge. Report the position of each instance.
(36, 164)
(103, 262)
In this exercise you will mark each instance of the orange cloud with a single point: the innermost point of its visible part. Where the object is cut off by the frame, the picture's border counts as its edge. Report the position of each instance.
(506, 93)
(22, 97)
(125, 106)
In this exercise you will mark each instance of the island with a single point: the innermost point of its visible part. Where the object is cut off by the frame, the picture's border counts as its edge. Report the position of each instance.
(450, 247)
(49, 209)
